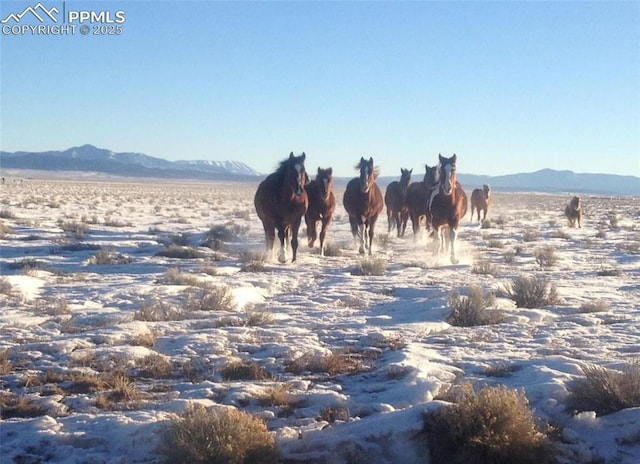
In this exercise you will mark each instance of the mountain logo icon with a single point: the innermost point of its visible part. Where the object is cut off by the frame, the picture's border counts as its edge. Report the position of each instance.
(39, 11)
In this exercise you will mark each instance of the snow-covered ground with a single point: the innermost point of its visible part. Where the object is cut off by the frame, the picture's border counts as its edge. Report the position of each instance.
(62, 313)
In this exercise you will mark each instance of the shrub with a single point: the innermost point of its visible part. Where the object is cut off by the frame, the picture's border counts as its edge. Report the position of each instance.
(332, 250)
(221, 233)
(337, 363)
(229, 436)
(174, 276)
(157, 311)
(12, 405)
(371, 266)
(243, 370)
(609, 272)
(332, 414)
(180, 252)
(596, 306)
(545, 256)
(605, 391)
(120, 389)
(5, 230)
(109, 258)
(210, 298)
(6, 213)
(484, 267)
(73, 228)
(471, 310)
(531, 235)
(5, 362)
(253, 262)
(493, 426)
(533, 292)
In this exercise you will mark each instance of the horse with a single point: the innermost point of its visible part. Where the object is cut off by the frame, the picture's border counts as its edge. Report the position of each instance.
(281, 201)
(573, 212)
(480, 200)
(447, 206)
(322, 204)
(417, 197)
(363, 202)
(395, 199)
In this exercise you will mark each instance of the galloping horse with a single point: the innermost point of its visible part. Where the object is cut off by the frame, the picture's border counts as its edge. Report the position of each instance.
(281, 201)
(573, 211)
(448, 206)
(480, 200)
(418, 194)
(363, 201)
(395, 199)
(322, 204)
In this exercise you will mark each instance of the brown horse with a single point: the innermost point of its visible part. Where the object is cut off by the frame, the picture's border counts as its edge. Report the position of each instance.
(363, 201)
(322, 204)
(573, 211)
(448, 206)
(281, 201)
(480, 200)
(395, 199)
(418, 194)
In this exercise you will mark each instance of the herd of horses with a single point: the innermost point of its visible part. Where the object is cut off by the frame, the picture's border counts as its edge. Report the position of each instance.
(438, 201)
(287, 195)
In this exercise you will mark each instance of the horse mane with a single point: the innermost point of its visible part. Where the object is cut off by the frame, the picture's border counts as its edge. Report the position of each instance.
(283, 165)
(376, 169)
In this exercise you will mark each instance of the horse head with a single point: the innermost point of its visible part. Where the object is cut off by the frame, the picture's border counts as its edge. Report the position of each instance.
(487, 190)
(431, 176)
(296, 176)
(325, 180)
(405, 178)
(576, 203)
(368, 174)
(447, 174)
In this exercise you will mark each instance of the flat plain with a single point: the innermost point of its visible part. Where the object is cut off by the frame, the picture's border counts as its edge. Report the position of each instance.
(163, 286)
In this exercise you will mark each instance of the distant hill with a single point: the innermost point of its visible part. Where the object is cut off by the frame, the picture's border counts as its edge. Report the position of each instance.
(88, 159)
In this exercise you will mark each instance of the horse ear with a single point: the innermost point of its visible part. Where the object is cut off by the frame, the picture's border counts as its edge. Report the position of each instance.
(371, 161)
(454, 157)
(411, 171)
(304, 156)
(440, 157)
(291, 155)
(330, 171)
(426, 167)
(319, 170)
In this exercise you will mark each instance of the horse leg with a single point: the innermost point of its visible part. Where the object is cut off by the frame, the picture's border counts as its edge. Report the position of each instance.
(372, 225)
(294, 238)
(484, 216)
(453, 232)
(472, 209)
(326, 221)
(270, 236)
(390, 219)
(311, 230)
(362, 232)
(282, 236)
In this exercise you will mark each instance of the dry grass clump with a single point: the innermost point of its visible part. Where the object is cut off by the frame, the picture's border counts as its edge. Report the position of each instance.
(493, 426)
(252, 262)
(5, 362)
(595, 306)
(157, 311)
(6, 213)
(605, 391)
(332, 250)
(244, 370)
(73, 228)
(255, 318)
(119, 388)
(609, 272)
(370, 267)
(279, 396)
(180, 252)
(531, 235)
(473, 309)
(12, 406)
(332, 414)
(218, 436)
(5, 230)
(174, 276)
(109, 258)
(532, 292)
(335, 363)
(155, 366)
(220, 233)
(210, 298)
(546, 256)
(484, 267)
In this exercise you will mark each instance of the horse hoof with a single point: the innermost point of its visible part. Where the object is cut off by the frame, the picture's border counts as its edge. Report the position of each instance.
(455, 260)
(361, 250)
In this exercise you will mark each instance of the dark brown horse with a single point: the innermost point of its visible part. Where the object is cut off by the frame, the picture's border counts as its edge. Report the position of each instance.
(573, 212)
(363, 201)
(448, 206)
(418, 194)
(281, 201)
(480, 200)
(395, 199)
(322, 204)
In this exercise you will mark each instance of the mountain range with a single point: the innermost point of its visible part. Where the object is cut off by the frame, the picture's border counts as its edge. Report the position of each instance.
(88, 158)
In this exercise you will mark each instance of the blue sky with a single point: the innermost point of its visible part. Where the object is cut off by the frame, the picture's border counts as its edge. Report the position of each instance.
(508, 86)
